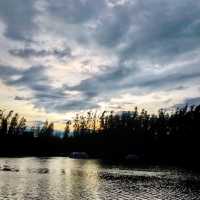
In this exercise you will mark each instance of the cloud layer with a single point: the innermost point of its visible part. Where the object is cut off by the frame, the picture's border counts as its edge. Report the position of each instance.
(75, 55)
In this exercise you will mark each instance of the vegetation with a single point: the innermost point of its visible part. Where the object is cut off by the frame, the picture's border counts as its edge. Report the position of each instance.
(170, 137)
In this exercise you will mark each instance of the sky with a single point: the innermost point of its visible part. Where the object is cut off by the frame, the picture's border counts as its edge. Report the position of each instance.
(58, 58)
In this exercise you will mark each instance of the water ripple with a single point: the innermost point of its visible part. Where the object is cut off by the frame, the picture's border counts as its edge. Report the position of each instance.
(64, 178)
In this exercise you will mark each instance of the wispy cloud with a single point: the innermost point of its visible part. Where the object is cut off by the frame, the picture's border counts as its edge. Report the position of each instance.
(30, 52)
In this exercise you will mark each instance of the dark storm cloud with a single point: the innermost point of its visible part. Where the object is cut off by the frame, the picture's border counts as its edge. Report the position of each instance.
(18, 17)
(30, 52)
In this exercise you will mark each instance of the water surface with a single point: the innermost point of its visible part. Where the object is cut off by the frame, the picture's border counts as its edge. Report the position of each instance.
(65, 178)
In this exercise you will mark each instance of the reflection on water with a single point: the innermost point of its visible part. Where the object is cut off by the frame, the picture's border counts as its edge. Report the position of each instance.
(65, 178)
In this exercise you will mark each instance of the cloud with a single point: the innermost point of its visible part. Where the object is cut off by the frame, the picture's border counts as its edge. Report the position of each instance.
(33, 78)
(44, 95)
(75, 11)
(114, 26)
(76, 105)
(8, 72)
(19, 18)
(19, 98)
(192, 101)
(30, 52)
(151, 30)
(144, 46)
(122, 79)
(170, 79)
(195, 101)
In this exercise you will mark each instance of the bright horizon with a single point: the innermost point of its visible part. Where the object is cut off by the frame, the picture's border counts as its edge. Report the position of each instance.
(71, 56)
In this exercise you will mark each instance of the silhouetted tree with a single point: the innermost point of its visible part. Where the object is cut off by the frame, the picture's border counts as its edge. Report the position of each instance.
(67, 129)
(167, 136)
(5, 122)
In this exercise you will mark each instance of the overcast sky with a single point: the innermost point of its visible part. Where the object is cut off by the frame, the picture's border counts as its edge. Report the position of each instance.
(66, 56)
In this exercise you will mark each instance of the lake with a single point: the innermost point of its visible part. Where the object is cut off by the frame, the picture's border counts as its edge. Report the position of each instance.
(65, 178)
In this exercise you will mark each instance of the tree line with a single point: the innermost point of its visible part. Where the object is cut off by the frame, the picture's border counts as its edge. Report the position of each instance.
(166, 136)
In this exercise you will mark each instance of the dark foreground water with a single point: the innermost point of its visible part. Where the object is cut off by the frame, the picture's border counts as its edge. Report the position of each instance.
(65, 178)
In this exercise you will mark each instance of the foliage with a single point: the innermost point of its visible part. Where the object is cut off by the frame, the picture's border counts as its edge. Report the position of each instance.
(163, 137)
